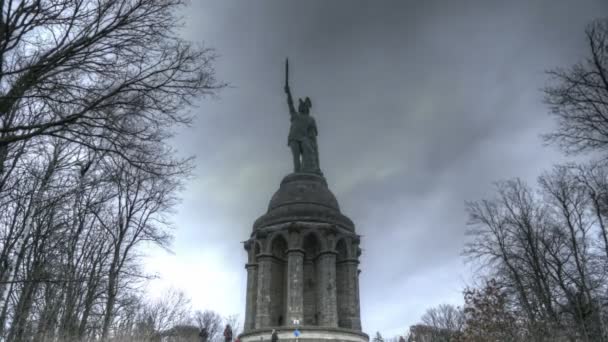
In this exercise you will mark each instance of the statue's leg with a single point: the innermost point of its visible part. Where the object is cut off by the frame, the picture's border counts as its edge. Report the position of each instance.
(295, 152)
(315, 149)
(308, 158)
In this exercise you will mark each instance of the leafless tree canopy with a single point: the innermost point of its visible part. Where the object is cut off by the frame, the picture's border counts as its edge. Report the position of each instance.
(548, 249)
(444, 316)
(169, 318)
(542, 254)
(108, 74)
(90, 91)
(443, 323)
(578, 97)
(210, 323)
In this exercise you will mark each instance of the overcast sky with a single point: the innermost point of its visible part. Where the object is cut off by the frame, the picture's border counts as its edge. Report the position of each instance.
(420, 106)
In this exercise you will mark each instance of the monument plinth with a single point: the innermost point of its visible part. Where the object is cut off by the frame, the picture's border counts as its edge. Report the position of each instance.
(303, 254)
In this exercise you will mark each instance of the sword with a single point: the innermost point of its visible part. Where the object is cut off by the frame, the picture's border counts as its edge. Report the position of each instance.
(286, 74)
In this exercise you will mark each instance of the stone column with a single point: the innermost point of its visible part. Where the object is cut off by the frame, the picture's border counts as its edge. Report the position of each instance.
(252, 289)
(327, 300)
(263, 300)
(357, 302)
(295, 285)
(352, 293)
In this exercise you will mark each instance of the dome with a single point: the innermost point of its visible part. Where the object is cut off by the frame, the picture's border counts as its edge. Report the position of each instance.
(303, 197)
(303, 188)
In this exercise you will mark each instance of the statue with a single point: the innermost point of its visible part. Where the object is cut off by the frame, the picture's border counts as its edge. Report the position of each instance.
(303, 133)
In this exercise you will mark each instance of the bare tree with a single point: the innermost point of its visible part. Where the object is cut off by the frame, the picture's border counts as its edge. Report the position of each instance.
(168, 317)
(488, 316)
(446, 320)
(507, 234)
(90, 91)
(578, 97)
(378, 337)
(170, 310)
(210, 324)
(547, 247)
(111, 75)
(547, 251)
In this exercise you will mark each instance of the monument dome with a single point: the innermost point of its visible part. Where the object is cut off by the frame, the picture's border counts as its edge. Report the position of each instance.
(303, 197)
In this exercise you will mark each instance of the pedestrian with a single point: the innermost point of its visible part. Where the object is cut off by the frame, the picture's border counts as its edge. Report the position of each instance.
(274, 337)
(228, 333)
(204, 335)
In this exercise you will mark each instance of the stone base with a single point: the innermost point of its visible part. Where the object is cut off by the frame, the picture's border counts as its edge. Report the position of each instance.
(307, 334)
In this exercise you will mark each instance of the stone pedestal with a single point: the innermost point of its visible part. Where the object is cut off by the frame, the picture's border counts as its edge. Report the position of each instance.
(307, 334)
(304, 267)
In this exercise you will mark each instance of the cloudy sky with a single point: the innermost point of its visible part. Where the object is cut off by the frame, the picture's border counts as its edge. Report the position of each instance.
(421, 105)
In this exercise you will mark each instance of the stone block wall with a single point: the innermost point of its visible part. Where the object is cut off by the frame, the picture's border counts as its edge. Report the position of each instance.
(300, 274)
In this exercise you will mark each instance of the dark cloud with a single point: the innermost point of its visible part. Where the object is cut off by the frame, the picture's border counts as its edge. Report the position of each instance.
(420, 106)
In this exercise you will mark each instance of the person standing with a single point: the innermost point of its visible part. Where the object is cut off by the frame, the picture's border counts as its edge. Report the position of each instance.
(228, 333)
(204, 335)
(274, 337)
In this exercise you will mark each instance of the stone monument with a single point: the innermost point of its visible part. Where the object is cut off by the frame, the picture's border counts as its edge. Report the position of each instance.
(303, 253)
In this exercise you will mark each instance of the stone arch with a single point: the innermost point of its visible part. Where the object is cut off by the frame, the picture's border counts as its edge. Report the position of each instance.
(342, 250)
(249, 246)
(278, 246)
(253, 248)
(320, 238)
(355, 249)
(278, 275)
(257, 249)
(329, 239)
(262, 240)
(311, 244)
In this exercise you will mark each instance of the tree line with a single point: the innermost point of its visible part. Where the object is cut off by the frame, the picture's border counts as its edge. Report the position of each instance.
(541, 249)
(90, 93)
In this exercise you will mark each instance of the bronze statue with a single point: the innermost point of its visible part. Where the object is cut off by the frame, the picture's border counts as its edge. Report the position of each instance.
(303, 133)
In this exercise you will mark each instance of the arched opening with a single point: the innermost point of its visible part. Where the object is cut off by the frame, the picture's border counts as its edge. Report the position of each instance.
(256, 251)
(279, 247)
(312, 247)
(343, 286)
(341, 250)
(278, 276)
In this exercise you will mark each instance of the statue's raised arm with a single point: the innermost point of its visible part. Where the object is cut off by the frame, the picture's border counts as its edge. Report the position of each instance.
(292, 109)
